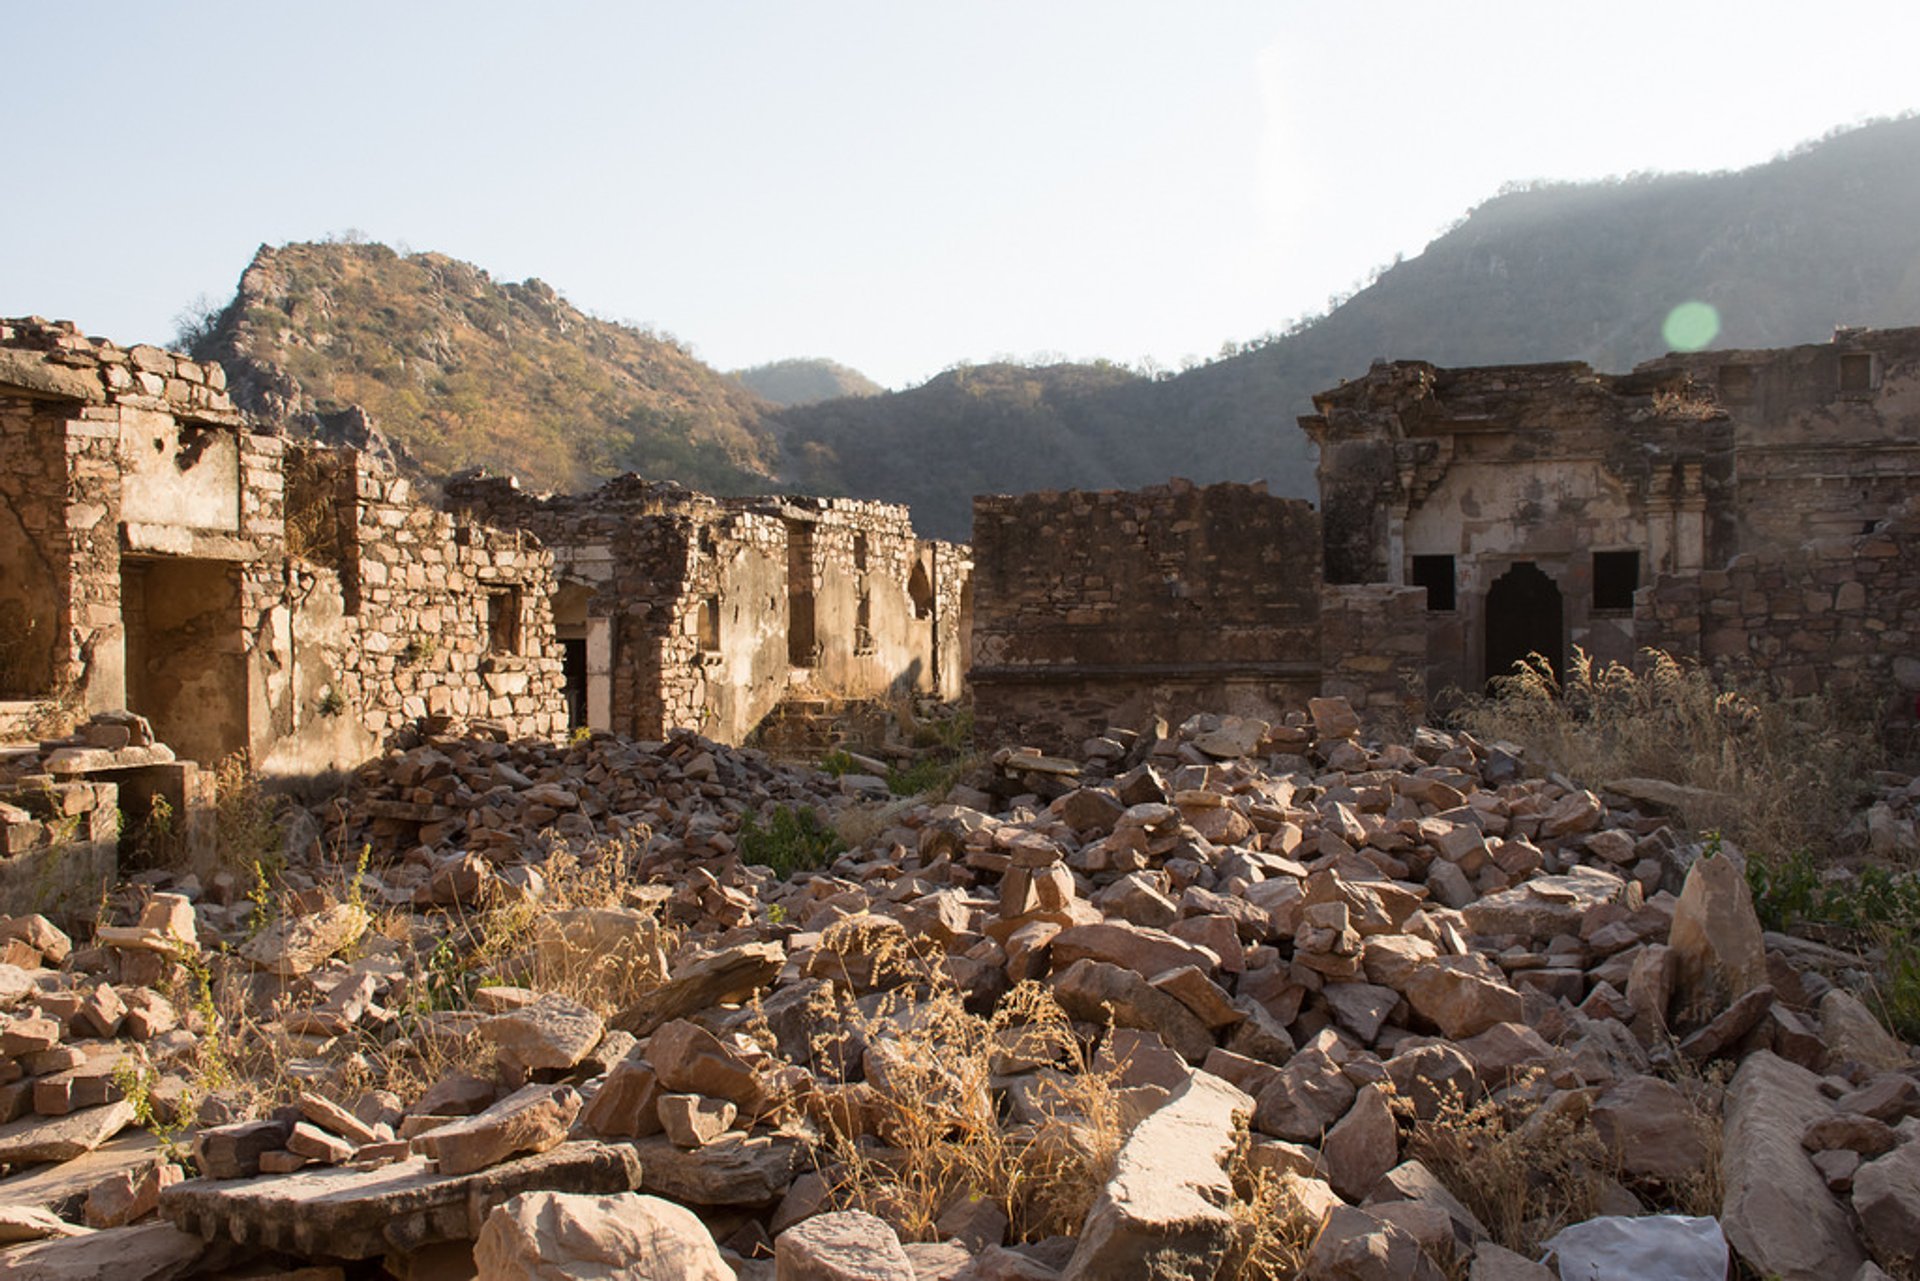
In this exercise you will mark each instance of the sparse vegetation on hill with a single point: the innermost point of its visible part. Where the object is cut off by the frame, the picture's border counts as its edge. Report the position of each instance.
(1576, 271)
(460, 370)
(805, 381)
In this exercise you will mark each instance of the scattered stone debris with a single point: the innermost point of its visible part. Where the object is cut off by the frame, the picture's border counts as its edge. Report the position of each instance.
(1288, 957)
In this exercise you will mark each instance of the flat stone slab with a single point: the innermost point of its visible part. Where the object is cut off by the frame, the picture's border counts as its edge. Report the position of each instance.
(149, 1252)
(61, 1188)
(34, 1139)
(361, 1213)
(736, 1169)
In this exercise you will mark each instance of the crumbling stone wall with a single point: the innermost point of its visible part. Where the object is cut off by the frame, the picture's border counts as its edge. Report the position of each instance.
(35, 568)
(1826, 435)
(1829, 612)
(1465, 481)
(154, 523)
(1373, 650)
(705, 613)
(1098, 608)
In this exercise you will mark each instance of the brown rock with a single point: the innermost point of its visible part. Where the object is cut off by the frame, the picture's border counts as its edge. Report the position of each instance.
(1363, 1146)
(1715, 939)
(734, 1170)
(626, 1105)
(150, 1250)
(691, 1060)
(1310, 1095)
(693, 1120)
(1886, 1196)
(1098, 992)
(532, 1119)
(364, 1212)
(1777, 1211)
(1458, 995)
(844, 1245)
(1852, 1033)
(1145, 952)
(732, 974)
(129, 1194)
(1353, 1245)
(552, 1033)
(555, 1236)
(34, 1139)
(294, 945)
(1651, 1129)
(1161, 1213)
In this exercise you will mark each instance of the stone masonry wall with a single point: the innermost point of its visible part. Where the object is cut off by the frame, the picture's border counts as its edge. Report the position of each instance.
(1373, 649)
(1832, 611)
(1098, 608)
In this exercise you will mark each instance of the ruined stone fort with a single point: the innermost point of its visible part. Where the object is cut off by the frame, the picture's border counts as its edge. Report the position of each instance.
(305, 605)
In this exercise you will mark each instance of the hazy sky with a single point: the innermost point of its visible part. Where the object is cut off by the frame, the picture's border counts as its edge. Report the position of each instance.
(898, 185)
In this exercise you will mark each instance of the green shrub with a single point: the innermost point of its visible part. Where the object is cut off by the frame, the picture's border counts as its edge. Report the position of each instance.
(789, 840)
(929, 775)
(838, 762)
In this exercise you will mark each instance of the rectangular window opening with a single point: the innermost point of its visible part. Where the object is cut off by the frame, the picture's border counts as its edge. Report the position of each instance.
(1435, 573)
(710, 624)
(503, 621)
(1616, 577)
(1856, 371)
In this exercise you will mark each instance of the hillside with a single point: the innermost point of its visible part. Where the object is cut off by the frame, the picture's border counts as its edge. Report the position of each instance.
(1784, 250)
(459, 370)
(805, 381)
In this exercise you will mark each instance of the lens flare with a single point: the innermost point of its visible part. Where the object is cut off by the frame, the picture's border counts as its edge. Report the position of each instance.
(1691, 326)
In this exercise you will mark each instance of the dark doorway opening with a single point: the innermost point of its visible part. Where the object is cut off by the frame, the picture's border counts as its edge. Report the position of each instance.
(573, 676)
(803, 649)
(1524, 617)
(186, 654)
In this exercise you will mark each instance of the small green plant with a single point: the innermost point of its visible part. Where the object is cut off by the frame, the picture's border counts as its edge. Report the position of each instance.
(776, 914)
(135, 1081)
(419, 650)
(332, 703)
(215, 1066)
(930, 775)
(581, 736)
(791, 839)
(446, 979)
(837, 763)
(260, 898)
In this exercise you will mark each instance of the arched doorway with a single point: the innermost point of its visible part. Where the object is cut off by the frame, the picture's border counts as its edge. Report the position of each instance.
(1524, 616)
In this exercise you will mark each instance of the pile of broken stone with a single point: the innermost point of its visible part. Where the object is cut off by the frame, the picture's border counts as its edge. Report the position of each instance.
(1290, 943)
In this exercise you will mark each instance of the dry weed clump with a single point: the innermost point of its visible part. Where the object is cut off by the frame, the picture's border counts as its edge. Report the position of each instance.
(923, 1133)
(564, 940)
(1272, 1229)
(1778, 774)
(1525, 1171)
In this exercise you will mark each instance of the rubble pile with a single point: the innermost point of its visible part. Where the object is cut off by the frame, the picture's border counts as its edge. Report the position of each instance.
(1293, 956)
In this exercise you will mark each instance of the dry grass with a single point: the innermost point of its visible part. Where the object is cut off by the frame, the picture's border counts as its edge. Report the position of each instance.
(927, 1133)
(1272, 1229)
(1779, 774)
(1525, 1172)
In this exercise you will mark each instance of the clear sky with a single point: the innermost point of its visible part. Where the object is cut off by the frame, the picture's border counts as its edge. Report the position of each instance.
(897, 184)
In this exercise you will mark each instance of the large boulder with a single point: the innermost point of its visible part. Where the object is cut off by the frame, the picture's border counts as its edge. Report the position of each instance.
(1353, 1245)
(1718, 952)
(1651, 1129)
(1777, 1210)
(846, 1245)
(1886, 1196)
(554, 1236)
(1163, 1213)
